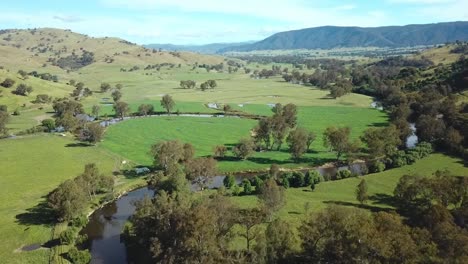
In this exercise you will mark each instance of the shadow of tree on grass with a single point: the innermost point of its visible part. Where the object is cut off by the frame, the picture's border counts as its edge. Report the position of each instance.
(371, 208)
(41, 214)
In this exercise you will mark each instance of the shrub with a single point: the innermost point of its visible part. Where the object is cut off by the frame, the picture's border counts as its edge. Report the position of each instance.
(297, 180)
(343, 174)
(256, 182)
(229, 181)
(377, 166)
(48, 124)
(68, 237)
(23, 89)
(399, 159)
(42, 99)
(8, 82)
(247, 187)
(236, 190)
(424, 149)
(285, 182)
(308, 179)
(316, 176)
(80, 221)
(79, 256)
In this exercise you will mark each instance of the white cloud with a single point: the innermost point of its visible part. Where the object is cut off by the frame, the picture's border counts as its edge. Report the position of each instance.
(67, 18)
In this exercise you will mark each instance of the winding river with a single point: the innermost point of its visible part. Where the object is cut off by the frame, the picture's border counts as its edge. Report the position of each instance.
(106, 224)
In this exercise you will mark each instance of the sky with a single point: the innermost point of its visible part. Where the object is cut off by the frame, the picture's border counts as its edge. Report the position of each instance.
(215, 21)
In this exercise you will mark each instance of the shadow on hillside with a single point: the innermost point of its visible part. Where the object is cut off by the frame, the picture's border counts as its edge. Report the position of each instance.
(378, 124)
(260, 160)
(41, 214)
(78, 144)
(374, 209)
(383, 199)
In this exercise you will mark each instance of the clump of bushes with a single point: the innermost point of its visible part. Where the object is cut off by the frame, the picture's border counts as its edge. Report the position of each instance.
(402, 158)
(343, 174)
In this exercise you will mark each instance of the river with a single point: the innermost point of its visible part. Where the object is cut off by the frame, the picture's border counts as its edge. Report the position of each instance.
(105, 226)
(107, 223)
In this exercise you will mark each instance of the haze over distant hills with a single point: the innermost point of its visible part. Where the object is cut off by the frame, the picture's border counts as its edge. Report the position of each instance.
(207, 49)
(328, 37)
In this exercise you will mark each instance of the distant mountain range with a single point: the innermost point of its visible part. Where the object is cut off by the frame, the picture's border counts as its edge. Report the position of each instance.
(206, 49)
(329, 37)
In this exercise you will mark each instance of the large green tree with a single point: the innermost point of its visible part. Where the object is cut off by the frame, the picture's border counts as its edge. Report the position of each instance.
(297, 141)
(337, 139)
(121, 109)
(167, 103)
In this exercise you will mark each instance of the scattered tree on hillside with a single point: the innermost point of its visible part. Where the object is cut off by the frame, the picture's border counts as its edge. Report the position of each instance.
(68, 121)
(8, 82)
(189, 84)
(91, 132)
(263, 131)
(337, 140)
(23, 89)
(167, 103)
(361, 192)
(310, 139)
(167, 154)
(249, 219)
(272, 196)
(381, 141)
(118, 86)
(95, 111)
(4, 117)
(145, 109)
(341, 88)
(116, 95)
(48, 124)
(42, 99)
(244, 148)
(68, 200)
(105, 87)
(297, 141)
(71, 197)
(280, 241)
(64, 105)
(220, 151)
(121, 109)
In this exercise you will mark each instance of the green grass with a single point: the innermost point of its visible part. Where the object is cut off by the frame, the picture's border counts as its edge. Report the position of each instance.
(343, 191)
(31, 167)
(133, 138)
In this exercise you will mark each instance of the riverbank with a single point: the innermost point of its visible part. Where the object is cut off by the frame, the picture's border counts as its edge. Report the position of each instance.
(301, 201)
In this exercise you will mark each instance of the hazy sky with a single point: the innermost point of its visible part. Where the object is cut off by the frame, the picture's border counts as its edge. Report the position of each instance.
(207, 21)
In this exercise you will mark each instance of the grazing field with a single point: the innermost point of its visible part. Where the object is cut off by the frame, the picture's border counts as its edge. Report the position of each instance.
(31, 168)
(133, 138)
(342, 192)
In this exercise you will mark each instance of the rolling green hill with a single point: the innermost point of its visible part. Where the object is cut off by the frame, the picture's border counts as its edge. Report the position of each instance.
(44, 49)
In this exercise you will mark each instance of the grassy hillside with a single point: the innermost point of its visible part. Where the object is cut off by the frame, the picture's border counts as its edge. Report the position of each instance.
(31, 168)
(33, 49)
(440, 54)
(380, 187)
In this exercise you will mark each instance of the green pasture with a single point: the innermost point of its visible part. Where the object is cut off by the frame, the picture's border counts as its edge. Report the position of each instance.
(133, 138)
(31, 167)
